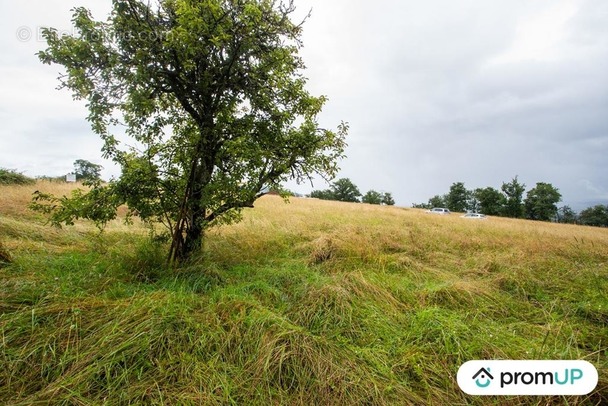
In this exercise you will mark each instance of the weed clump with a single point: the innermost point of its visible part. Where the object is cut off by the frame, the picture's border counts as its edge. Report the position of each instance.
(5, 257)
(323, 249)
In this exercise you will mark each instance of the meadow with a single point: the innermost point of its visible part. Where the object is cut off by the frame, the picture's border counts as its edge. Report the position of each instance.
(310, 302)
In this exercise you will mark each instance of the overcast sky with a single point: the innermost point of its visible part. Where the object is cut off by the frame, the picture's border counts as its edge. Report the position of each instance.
(436, 92)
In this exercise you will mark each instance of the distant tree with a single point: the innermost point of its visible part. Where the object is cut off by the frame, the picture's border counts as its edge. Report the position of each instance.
(541, 202)
(437, 201)
(372, 197)
(421, 206)
(326, 194)
(345, 191)
(87, 171)
(595, 216)
(458, 197)
(514, 192)
(387, 199)
(565, 214)
(473, 203)
(491, 201)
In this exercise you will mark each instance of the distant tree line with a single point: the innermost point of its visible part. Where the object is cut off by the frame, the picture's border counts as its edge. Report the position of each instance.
(540, 203)
(345, 190)
(84, 170)
(591, 216)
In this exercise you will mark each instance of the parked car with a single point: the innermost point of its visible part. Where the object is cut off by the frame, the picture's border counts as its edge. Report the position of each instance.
(438, 210)
(477, 216)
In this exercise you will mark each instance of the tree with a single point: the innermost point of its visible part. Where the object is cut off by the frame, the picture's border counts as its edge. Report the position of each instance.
(458, 198)
(514, 192)
(437, 201)
(213, 94)
(372, 197)
(541, 202)
(595, 216)
(387, 199)
(473, 203)
(565, 214)
(87, 171)
(491, 201)
(345, 191)
(326, 194)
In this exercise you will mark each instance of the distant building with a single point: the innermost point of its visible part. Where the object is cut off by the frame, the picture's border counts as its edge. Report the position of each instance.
(70, 177)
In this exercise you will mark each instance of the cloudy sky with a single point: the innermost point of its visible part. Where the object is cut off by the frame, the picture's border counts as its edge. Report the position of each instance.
(436, 92)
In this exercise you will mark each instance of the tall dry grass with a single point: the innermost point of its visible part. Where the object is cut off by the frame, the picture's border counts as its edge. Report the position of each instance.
(23, 228)
(14, 199)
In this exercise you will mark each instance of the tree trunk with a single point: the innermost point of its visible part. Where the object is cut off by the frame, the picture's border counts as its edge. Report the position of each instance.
(194, 239)
(192, 224)
(195, 231)
(194, 213)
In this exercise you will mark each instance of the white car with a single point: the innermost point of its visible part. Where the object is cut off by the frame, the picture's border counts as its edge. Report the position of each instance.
(477, 216)
(438, 210)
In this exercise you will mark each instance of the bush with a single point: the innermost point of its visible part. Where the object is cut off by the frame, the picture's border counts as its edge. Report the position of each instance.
(12, 177)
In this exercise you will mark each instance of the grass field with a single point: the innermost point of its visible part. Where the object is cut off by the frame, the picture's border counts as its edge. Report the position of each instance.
(311, 302)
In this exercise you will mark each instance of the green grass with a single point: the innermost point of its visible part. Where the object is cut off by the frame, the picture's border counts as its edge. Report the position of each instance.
(307, 303)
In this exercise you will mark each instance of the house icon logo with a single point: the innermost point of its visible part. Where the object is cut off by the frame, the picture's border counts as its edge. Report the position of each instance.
(484, 376)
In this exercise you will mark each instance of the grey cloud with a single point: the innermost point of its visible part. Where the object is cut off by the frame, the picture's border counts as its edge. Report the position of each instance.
(435, 93)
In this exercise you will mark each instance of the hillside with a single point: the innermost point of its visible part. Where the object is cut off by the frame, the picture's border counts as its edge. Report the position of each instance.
(311, 302)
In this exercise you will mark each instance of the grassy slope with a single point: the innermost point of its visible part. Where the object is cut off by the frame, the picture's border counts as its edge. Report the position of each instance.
(310, 302)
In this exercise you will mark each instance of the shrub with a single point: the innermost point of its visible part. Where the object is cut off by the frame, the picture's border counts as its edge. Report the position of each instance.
(12, 177)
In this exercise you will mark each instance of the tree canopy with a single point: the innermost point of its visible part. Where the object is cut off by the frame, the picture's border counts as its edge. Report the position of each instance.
(87, 171)
(437, 201)
(372, 197)
(345, 190)
(514, 192)
(565, 214)
(595, 216)
(491, 201)
(212, 93)
(387, 199)
(375, 197)
(541, 202)
(457, 199)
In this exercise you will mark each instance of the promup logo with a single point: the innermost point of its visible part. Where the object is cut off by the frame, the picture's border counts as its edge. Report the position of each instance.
(484, 375)
(527, 377)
